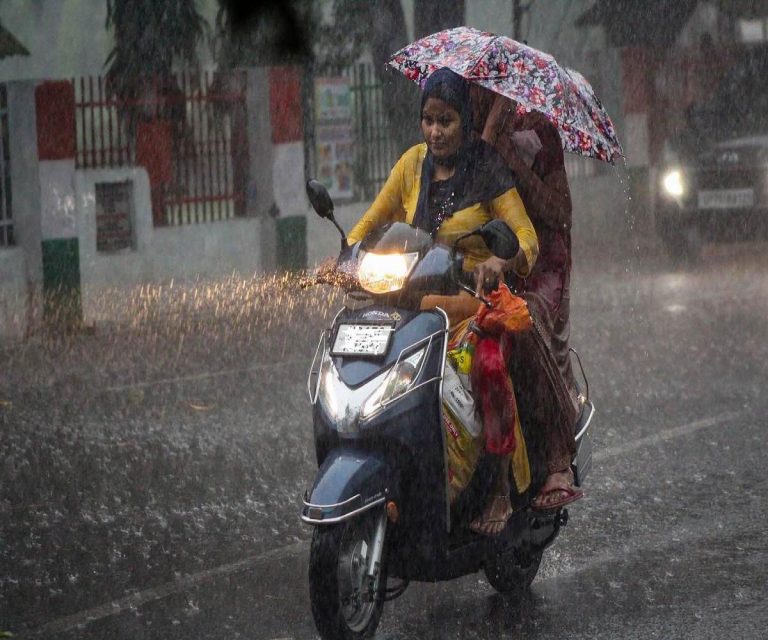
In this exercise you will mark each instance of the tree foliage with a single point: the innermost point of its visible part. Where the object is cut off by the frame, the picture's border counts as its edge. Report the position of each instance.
(151, 39)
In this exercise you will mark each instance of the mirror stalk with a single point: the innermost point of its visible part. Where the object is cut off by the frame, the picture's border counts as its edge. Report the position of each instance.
(344, 241)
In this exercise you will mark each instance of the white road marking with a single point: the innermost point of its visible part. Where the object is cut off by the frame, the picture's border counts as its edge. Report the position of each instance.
(665, 435)
(137, 599)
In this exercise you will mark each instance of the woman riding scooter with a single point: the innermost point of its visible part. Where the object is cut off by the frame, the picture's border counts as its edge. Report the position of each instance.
(448, 186)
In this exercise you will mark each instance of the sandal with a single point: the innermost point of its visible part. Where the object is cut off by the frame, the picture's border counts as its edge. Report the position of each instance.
(557, 483)
(490, 523)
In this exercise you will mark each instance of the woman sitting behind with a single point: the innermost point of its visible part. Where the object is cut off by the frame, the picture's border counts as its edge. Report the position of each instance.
(449, 185)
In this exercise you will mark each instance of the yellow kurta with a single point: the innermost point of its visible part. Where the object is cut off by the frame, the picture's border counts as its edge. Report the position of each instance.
(397, 200)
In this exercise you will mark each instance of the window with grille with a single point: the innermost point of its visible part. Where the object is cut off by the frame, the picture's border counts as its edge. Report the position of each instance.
(6, 219)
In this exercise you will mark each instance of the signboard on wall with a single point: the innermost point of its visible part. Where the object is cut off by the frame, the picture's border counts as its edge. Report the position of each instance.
(114, 216)
(334, 148)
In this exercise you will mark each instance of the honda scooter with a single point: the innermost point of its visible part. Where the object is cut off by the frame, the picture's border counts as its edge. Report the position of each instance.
(380, 503)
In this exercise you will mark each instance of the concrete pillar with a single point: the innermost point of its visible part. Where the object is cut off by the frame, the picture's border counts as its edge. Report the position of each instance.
(25, 194)
(260, 202)
(55, 112)
(287, 120)
(637, 68)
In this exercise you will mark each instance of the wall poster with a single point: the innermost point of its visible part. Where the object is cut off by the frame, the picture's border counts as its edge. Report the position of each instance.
(334, 145)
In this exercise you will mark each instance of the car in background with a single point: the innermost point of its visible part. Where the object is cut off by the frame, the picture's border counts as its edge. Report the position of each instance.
(713, 185)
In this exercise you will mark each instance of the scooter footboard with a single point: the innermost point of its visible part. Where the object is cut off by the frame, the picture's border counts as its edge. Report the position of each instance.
(348, 483)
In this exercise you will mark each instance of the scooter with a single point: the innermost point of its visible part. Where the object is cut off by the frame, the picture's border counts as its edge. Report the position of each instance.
(380, 503)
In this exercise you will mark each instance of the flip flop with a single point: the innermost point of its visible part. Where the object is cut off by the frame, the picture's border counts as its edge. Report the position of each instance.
(479, 524)
(572, 495)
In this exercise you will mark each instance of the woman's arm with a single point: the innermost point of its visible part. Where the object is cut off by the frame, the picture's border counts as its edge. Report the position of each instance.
(509, 208)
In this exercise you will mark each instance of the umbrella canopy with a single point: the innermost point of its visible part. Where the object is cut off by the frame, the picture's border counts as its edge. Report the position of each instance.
(531, 77)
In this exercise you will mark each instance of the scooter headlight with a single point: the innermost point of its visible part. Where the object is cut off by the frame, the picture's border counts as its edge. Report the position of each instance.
(398, 380)
(384, 273)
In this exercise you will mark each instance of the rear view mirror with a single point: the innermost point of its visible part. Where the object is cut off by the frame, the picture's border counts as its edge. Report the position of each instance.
(321, 202)
(320, 199)
(500, 239)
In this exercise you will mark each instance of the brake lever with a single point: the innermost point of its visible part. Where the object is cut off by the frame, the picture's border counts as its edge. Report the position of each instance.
(468, 289)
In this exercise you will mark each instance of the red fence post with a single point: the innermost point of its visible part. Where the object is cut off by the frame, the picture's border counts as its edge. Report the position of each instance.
(55, 104)
(239, 140)
(153, 152)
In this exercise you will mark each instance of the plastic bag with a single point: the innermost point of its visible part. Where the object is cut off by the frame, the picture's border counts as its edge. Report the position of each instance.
(509, 313)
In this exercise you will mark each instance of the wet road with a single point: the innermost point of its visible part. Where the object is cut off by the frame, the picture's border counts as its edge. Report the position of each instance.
(669, 542)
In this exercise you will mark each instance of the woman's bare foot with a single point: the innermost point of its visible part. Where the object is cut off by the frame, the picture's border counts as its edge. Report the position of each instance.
(558, 491)
(495, 516)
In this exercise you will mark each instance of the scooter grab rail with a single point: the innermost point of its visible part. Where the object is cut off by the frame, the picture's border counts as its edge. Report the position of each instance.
(343, 517)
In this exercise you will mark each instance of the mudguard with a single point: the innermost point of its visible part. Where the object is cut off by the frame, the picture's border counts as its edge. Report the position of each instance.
(348, 483)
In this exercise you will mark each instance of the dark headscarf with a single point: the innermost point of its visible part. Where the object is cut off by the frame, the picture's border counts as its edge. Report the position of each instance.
(481, 173)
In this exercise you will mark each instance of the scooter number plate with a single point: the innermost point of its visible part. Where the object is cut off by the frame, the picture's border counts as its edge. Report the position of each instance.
(362, 340)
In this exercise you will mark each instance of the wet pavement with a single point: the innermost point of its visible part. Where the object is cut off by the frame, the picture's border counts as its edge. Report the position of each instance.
(151, 475)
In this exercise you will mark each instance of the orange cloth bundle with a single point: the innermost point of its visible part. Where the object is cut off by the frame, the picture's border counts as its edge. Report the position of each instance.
(491, 383)
(509, 313)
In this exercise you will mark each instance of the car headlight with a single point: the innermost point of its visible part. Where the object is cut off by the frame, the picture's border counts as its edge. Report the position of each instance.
(384, 273)
(398, 380)
(673, 182)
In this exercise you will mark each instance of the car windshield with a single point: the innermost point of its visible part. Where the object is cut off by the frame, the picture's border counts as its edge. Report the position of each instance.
(739, 107)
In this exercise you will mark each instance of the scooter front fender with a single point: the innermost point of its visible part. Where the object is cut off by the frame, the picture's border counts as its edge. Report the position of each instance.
(348, 483)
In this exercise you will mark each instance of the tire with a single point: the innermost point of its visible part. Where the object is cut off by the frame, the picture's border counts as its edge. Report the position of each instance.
(337, 580)
(512, 573)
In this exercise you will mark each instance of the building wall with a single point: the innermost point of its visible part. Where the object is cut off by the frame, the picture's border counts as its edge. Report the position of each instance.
(53, 200)
(160, 254)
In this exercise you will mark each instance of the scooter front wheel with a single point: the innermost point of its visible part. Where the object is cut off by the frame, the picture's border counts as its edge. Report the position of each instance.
(346, 602)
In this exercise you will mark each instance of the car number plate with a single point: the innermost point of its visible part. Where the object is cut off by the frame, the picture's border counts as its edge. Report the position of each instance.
(726, 199)
(362, 339)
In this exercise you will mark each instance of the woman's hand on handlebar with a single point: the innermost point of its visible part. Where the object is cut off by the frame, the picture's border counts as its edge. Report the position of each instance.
(488, 274)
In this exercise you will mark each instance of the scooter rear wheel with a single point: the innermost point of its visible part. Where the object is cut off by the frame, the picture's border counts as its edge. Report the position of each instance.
(512, 573)
(343, 604)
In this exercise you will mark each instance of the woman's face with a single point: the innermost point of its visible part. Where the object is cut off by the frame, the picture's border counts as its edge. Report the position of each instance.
(441, 126)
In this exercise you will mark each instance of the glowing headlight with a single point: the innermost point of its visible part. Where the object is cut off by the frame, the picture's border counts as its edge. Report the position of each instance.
(383, 273)
(396, 383)
(673, 183)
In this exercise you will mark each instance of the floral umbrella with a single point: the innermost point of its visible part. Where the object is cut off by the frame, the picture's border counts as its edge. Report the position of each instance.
(531, 77)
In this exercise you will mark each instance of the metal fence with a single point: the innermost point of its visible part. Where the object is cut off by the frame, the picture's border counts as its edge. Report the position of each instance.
(6, 214)
(375, 149)
(189, 131)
